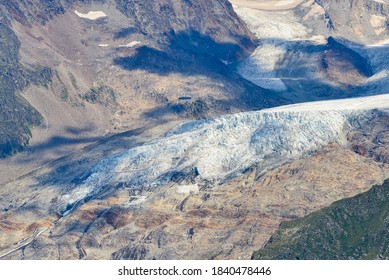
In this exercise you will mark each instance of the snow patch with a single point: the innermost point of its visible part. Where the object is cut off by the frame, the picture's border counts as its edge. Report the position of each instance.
(319, 39)
(137, 200)
(92, 15)
(188, 189)
(379, 44)
(272, 25)
(287, 3)
(130, 45)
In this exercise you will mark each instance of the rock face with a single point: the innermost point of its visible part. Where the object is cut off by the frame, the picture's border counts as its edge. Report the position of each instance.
(355, 20)
(201, 204)
(353, 228)
(343, 65)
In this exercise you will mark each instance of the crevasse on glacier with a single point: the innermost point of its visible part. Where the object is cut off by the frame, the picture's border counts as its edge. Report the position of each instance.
(221, 147)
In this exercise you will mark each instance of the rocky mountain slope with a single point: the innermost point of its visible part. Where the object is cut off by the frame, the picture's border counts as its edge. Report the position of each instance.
(146, 45)
(353, 228)
(118, 66)
(121, 64)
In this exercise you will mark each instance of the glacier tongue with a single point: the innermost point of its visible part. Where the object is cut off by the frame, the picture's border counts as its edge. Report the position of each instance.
(226, 146)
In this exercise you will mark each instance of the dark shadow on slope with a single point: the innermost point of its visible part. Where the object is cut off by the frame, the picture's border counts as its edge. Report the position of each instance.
(164, 63)
(78, 130)
(186, 53)
(125, 32)
(192, 41)
(60, 141)
(62, 171)
(56, 146)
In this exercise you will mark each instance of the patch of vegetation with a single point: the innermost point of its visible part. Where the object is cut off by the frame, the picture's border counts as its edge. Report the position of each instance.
(197, 109)
(352, 228)
(64, 95)
(73, 80)
(100, 94)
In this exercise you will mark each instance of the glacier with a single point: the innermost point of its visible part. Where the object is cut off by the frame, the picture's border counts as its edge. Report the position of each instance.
(275, 30)
(224, 147)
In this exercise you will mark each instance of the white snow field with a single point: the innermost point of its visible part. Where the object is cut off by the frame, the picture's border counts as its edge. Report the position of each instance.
(361, 103)
(228, 145)
(271, 5)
